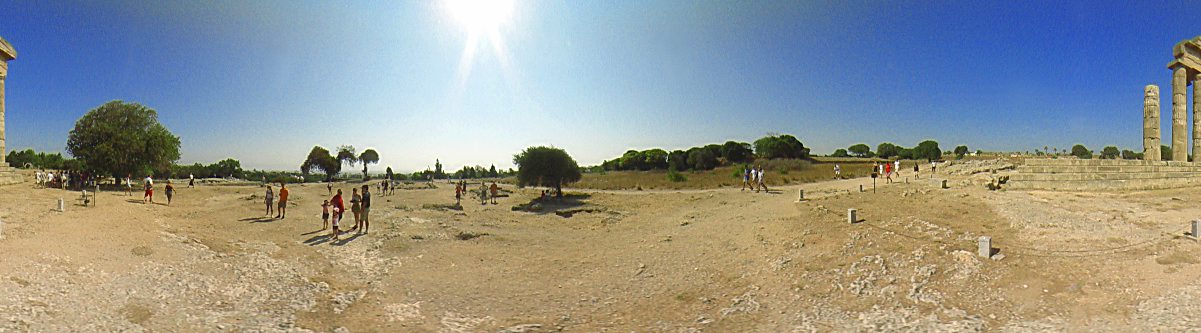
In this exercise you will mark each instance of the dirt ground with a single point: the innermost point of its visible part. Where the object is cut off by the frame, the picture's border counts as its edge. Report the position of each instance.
(649, 261)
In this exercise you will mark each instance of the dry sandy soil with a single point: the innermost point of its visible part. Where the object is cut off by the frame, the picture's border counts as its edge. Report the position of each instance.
(648, 261)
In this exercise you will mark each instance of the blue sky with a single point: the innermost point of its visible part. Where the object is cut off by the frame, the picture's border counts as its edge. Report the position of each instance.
(264, 81)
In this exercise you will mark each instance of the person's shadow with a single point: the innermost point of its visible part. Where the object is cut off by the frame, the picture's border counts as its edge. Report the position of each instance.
(258, 219)
(345, 240)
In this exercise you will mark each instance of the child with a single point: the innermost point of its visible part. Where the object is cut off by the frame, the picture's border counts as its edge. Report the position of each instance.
(325, 214)
(337, 217)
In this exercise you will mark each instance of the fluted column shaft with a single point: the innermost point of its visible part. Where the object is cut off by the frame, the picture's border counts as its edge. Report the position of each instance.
(1179, 114)
(1151, 123)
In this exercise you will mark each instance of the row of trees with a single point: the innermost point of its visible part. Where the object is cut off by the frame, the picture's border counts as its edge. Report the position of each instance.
(227, 168)
(709, 156)
(927, 150)
(41, 160)
(1112, 152)
(469, 172)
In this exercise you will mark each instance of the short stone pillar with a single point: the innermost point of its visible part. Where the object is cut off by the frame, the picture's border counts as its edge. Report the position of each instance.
(62, 207)
(985, 246)
(860, 188)
(1196, 227)
(944, 184)
(800, 195)
(1151, 123)
(1179, 114)
(852, 216)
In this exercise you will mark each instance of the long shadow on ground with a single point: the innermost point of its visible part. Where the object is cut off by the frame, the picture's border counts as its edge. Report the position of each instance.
(257, 219)
(343, 241)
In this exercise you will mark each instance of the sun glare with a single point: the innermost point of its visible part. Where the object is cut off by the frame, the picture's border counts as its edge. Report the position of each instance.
(479, 16)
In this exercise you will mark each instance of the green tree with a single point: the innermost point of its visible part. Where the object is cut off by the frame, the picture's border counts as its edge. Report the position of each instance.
(736, 152)
(655, 159)
(546, 166)
(1165, 152)
(347, 155)
(120, 138)
(840, 153)
(678, 160)
(1081, 152)
(492, 171)
(633, 160)
(887, 149)
(860, 150)
(1128, 154)
(780, 146)
(927, 150)
(1110, 152)
(701, 159)
(321, 160)
(960, 151)
(388, 173)
(438, 173)
(905, 154)
(368, 156)
(227, 168)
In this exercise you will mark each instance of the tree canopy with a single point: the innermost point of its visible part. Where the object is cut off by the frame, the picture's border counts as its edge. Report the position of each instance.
(120, 138)
(1081, 152)
(960, 151)
(320, 159)
(780, 146)
(368, 156)
(887, 149)
(546, 166)
(1110, 152)
(927, 150)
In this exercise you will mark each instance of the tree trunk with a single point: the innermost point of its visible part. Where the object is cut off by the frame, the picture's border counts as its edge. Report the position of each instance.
(559, 189)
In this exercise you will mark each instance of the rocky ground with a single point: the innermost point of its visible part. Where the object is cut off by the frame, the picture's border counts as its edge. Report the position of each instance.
(717, 260)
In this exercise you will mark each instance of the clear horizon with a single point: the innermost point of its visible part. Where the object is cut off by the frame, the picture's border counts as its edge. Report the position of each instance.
(265, 81)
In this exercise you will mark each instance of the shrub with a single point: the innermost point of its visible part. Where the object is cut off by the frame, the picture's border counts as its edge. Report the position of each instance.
(674, 176)
(927, 150)
(1110, 152)
(960, 151)
(701, 159)
(1081, 152)
(886, 150)
(780, 146)
(840, 153)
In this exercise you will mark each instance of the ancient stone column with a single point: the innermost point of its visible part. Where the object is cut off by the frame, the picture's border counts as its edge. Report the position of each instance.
(1196, 117)
(1179, 114)
(3, 76)
(1151, 123)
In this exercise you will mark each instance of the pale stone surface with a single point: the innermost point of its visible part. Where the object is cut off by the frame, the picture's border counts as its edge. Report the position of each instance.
(985, 246)
(1179, 114)
(1196, 114)
(852, 217)
(1196, 227)
(1151, 123)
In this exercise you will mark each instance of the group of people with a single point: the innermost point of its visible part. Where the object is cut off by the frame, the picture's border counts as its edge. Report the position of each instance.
(889, 169)
(753, 178)
(64, 179)
(334, 207)
(461, 190)
(148, 188)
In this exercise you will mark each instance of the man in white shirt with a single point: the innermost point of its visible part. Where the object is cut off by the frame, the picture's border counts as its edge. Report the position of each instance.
(148, 183)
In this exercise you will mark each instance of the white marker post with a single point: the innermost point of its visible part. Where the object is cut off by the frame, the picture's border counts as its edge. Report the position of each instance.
(61, 206)
(800, 195)
(985, 246)
(1196, 228)
(851, 216)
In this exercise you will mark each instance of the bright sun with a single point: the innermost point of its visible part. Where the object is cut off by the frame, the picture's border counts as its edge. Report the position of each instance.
(480, 16)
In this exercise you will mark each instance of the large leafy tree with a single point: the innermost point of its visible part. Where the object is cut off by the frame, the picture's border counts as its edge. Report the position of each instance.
(320, 159)
(928, 150)
(860, 150)
(887, 149)
(736, 152)
(120, 138)
(368, 156)
(780, 146)
(347, 155)
(546, 166)
(1081, 152)
(960, 151)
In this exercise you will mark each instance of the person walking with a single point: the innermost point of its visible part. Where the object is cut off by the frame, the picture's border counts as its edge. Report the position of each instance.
(755, 178)
(762, 181)
(336, 201)
(355, 207)
(129, 185)
(837, 171)
(746, 177)
(887, 173)
(283, 201)
(916, 174)
(458, 194)
(270, 200)
(170, 190)
(329, 187)
(147, 184)
(191, 181)
(896, 168)
(366, 214)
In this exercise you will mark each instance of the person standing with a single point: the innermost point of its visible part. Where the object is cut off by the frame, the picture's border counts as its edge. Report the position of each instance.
(933, 167)
(355, 207)
(325, 214)
(148, 184)
(366, 209)
(191, 181)
(329, 187)
(887, 173)
(39, 179)
(837, 171)
(283, 201)
(270, 199)
(916, 174)
(170, 192)
(483, 194)
(458, 194)
(340, 206)
(494, 189)
(128, 185)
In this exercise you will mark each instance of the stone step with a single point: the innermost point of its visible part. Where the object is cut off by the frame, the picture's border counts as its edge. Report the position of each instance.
(1104, 185)
(1114, 168)
(1074, 176)
(1098, 162)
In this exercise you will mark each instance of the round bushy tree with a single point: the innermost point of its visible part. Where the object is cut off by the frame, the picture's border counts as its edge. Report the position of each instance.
(927, 150)
(120, 138)
(1110, 152)
(320, 159)
(368, 156)
(1081, 152)
(546, 166)
(860, 150)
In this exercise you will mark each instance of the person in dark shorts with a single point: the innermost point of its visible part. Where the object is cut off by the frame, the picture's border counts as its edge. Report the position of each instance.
(325, 214)
(283, 201)
(170, 192)
(365, 215)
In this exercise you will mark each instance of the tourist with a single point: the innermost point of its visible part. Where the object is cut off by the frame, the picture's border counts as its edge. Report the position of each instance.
(270, 199)
(896, 167)
(66, 179)
(494, 189)
(283, 201)
(355, 207)
(337, 217)
(191, 181)
(325, 214)
(38, 178)
(916, 174)
(329, 187)
(887, 173)
(458, 194)
(837, 172)
(762, 182)
(170, 192)
(746, 177)
(483, 194)
(755, 178)
(128, 185)
(384, 185)
(148, 184)
(339, 206)
(933, 167)
(366, 213)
